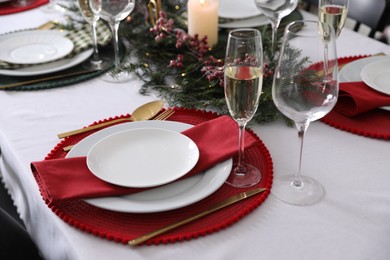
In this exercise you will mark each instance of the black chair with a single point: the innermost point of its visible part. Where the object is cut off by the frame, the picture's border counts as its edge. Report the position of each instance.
(15, 242)
(373, 13)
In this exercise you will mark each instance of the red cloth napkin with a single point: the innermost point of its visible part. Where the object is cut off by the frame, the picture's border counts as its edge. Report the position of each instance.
(356, 98)
(10, 8)
(70, 178)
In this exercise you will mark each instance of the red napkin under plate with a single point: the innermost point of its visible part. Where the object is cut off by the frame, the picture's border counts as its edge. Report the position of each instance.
(70, 178)
(356, 98)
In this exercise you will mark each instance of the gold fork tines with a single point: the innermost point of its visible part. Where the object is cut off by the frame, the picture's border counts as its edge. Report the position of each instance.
(161, 117)
(164, 115)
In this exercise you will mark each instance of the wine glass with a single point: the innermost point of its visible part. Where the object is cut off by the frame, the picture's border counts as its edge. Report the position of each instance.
(305, 88)
(243, 80)
(95, 62)
(334, 13)
(114, 11)
(275, 10)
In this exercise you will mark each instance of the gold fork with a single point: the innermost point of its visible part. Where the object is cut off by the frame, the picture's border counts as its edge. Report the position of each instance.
(161, 117)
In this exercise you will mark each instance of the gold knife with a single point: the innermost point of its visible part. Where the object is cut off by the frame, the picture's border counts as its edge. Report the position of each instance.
(215, 207)
(28, 82)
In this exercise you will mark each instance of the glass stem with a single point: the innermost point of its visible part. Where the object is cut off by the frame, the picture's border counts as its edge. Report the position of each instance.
(240, 169)
(114, 27)
(302, 127)
(275, 26)
(95, 57)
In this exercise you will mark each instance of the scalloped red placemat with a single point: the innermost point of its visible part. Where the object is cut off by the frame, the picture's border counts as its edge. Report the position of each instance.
(122, 227)
(9, 8)
(375, 123)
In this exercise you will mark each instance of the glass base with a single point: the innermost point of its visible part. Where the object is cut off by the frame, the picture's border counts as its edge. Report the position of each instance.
(307, 193)
(102, 64)
(117, 77)
(251, 177)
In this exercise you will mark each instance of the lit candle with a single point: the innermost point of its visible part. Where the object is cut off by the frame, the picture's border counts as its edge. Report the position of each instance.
(203, 19)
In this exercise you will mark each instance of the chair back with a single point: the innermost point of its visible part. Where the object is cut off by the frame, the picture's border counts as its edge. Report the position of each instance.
(373, 13)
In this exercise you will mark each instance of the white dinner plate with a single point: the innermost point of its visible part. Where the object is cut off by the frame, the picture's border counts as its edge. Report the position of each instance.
(51, 67)
(143, 157)
(351, 71)
(242, 23)
(34, 46)
(377, 75)
(170, 196)
(235, 9)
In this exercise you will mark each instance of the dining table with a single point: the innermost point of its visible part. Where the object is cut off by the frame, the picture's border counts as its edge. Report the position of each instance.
(350, 222)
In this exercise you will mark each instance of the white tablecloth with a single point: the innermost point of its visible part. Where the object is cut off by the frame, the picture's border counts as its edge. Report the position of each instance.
(351, 222)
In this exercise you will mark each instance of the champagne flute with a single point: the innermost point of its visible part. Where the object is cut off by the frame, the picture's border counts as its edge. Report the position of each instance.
(243, 80)
(95, 62)
(114, 11)
(305, 88)
(275, 10)
(334, 13)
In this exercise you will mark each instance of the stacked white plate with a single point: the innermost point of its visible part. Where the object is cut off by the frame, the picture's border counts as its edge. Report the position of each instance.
(239, 14)
(373, 70)
(149, 154)
(44, 51)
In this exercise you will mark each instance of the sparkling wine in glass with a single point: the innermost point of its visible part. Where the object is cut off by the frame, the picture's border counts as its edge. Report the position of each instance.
(243, 80)
(305, 88)
(275, 10)
(95, 62)
(334, 13)
(114, 11)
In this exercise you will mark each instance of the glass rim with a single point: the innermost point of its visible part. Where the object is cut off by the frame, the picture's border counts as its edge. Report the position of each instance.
(256, 33)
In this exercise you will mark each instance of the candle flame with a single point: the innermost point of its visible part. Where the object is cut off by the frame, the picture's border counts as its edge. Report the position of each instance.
(201, 2)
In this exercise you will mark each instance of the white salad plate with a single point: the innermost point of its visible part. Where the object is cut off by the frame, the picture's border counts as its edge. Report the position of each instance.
(34, 46)
(143, 157)
(351, 71)
(50, 67)
(234, 9)
(167, 197)
(377, 75)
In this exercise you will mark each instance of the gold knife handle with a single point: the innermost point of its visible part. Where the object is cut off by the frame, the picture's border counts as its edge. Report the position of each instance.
(39, 80)
(89, 128)
(215, 207)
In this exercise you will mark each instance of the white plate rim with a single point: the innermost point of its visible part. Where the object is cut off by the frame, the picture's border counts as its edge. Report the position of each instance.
(25, 38)
(250, 22)
(47, 68)
(379, 67)
(246, 9)
(359, 63)
(186, 151)
(356, 67)
(194, 188)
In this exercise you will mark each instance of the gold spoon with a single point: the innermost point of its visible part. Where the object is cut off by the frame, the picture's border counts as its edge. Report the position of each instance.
(143, 112)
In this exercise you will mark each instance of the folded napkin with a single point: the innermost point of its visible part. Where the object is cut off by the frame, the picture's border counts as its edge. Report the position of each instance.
(356, 98)
(81, 38)
(70, 178)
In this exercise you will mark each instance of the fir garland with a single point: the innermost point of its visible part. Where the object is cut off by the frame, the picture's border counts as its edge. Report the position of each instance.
(182, 69)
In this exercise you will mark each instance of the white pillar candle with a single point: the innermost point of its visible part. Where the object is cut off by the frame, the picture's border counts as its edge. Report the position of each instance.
(203, 19)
